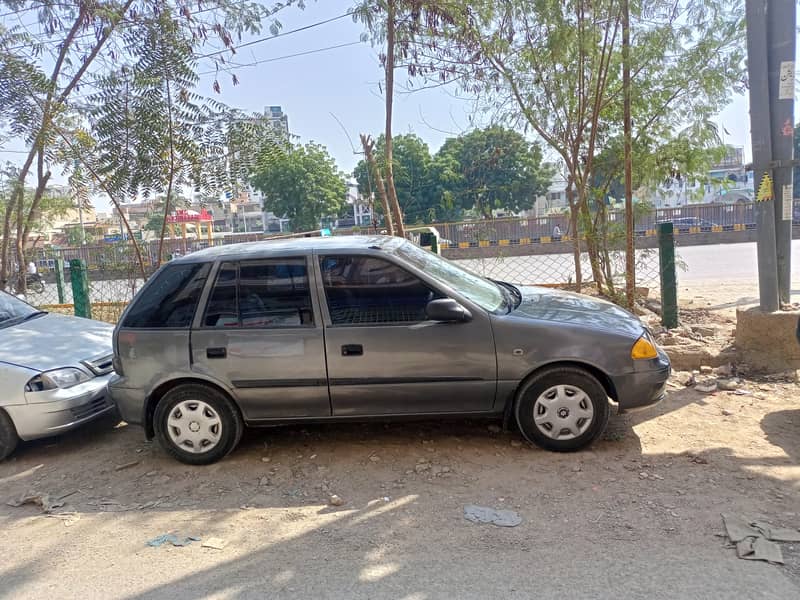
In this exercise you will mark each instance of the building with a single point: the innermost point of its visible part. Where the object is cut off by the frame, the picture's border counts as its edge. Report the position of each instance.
(359, 211)
(278, 119)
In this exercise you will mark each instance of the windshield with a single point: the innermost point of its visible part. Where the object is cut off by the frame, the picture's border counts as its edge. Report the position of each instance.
(481, 291)
(13, 310)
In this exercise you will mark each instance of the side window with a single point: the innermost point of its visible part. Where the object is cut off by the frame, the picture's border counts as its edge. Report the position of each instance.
(261, 294)
(367, 290)
(171, 300)
(222, 309)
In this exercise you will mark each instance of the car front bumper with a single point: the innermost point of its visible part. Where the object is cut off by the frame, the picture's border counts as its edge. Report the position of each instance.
(642, 388)
(56, 411)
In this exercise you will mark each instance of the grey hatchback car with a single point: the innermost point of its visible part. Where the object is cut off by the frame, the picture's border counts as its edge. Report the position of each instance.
(353, 328)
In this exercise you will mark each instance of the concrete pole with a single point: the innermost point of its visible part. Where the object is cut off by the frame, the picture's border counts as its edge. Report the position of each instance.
(756, 14)
(781, 41)
(630, 250)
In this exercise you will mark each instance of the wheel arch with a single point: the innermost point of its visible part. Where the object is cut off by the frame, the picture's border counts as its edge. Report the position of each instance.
(165, 387)
(595, 371)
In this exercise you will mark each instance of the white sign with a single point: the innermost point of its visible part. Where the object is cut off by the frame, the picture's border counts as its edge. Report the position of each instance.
(786, 85)
(787, 202)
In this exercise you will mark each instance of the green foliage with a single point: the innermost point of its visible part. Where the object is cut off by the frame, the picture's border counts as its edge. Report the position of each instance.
(155, 222)
(302, 184)
(484, 170)
(412, 163)
(489, 169)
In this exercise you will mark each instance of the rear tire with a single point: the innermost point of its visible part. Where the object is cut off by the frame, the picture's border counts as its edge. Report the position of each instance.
(8, 435)
(562, 409)
(37, 287)
(197, 424)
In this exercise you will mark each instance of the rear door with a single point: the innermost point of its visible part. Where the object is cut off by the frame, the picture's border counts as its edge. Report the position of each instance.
(385, 357)
(261, 333)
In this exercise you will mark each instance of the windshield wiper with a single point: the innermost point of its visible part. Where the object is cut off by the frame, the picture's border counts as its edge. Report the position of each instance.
(33, 315)
(507, 287)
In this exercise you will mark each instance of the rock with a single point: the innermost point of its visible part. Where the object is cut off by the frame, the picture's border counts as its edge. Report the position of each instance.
(706, 387)
(421, 468)
(577, 468)
(374, 458)
(265, 459)
(494, 428)
(728, 385)
(726, 412)
(335, 500)
(516, 444)
(706, 370)
(724, 370)
(685, 378)
(705, 330)
(263, 481)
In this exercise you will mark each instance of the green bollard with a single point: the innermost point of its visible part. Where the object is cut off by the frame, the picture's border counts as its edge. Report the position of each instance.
(80, 288)
(669, 280)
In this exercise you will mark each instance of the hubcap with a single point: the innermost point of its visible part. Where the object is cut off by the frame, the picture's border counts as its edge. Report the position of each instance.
(563, 412)
(194, 426)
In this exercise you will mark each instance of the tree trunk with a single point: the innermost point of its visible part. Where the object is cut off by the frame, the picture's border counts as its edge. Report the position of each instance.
(372, 164)
(390, 189)
(171, 178)
(573, 230)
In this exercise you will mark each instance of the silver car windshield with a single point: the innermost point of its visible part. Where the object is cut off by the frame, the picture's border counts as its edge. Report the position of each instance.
(482, 292)
(13, 310)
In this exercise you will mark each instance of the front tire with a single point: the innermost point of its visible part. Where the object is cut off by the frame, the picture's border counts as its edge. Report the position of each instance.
(562, 409)
(8, 435)
(197, 424)
(37, 287)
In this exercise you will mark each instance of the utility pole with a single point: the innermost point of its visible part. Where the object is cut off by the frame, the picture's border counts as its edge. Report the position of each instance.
(781, 42)
(630, 250)
(757, 68)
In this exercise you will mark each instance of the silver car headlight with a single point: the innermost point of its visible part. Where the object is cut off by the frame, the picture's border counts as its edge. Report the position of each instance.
(58, 378)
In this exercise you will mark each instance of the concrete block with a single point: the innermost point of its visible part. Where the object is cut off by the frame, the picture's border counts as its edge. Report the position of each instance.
(768, 342)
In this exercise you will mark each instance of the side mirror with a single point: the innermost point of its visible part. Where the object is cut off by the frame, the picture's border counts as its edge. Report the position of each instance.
(447, 310)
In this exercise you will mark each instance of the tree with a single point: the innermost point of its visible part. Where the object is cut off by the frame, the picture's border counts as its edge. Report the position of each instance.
(488, 169)
(397, 24)
(81, 46)
(303, 184)
(554, 66)
(412, 162)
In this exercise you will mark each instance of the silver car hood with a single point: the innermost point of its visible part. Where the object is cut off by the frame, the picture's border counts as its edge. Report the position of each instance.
(567, 307)
(53, 341)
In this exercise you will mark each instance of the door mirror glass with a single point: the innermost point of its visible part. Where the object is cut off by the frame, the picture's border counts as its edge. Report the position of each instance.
(448, 310)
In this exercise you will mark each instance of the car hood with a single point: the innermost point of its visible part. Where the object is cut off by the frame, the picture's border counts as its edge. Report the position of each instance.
(53, 341)
(576, 309)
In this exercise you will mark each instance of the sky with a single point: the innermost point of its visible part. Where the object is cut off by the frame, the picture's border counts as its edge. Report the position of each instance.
(333, 95)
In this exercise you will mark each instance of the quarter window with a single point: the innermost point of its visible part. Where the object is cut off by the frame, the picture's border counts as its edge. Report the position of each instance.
(261, 294)
(367, 290)
(171, 299)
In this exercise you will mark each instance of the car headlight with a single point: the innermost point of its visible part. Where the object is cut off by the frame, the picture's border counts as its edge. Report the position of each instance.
(58, 378)
(644, 348)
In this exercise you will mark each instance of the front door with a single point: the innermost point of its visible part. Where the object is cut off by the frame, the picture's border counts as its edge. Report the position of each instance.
(261, 334)
(385, 358)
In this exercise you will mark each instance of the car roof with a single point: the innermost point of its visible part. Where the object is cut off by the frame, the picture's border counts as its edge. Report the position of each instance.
(293, 246)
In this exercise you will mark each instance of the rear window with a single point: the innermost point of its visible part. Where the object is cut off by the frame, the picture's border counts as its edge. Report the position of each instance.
(171, 300)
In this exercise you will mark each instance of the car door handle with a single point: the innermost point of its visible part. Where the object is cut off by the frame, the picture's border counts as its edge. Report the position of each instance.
(216, 352)
(352, 350)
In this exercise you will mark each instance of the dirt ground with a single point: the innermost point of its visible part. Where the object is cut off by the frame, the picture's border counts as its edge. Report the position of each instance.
(637, 516)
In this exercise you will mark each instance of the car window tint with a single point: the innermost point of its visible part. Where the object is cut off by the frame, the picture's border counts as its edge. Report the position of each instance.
(274, 293)
(170, 300)
(364, 289)
(222, 310)
(261, 293)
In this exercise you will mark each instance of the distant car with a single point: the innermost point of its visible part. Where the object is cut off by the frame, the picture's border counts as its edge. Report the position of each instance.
(348, 328)
(686, 222)
(54, 372)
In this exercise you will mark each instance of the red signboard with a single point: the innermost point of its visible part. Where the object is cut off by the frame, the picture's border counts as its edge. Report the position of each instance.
(187, 216)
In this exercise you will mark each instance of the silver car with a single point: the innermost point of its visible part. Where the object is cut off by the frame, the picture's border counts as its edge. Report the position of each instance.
(54, 372)
(349, 328)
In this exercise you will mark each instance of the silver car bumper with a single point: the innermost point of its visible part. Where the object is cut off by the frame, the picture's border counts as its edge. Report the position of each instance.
(56, 411)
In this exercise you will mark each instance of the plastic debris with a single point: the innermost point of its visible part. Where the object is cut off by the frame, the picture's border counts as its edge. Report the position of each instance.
(483, 514)
(214, 543)
(171, 538)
